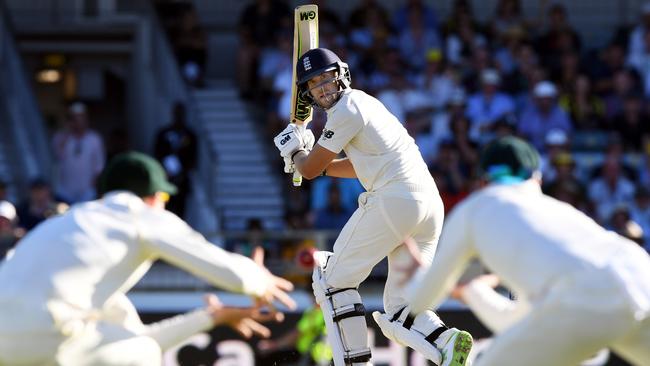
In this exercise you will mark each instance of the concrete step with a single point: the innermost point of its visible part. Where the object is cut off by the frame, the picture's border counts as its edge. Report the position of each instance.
(250, 201)
(235, 179)
(241, 159)
(215, 114)
(226, 126)
(237, 148)
(239, 223)
(248, 189)
(248, 169)
(218, 92)
(218, 105)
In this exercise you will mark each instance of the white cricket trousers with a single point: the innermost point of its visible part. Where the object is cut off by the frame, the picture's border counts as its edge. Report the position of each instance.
(581, 314)
(101, 344)
(377, 229)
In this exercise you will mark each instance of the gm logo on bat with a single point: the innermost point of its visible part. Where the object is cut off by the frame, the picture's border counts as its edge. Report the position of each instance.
(309, 15)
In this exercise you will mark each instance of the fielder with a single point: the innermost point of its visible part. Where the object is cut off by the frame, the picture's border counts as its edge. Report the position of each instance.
(401, 200)
(62, 292)
(579, 288)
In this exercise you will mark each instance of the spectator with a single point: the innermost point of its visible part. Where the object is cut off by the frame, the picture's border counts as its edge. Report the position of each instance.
(486, 106)
(564, 185)
(543, 115)
(427, 15)
(602, 69)
(632, 124)
(80, 157)
(508, 18)
(610, 190)
(560, 37)
(416, 40)
(466, 147)
(176, 149)
(335, 214)
(276, 59)
(438, 79)
(462, 34)
(9, 232)
(441, 120)
(637, 42)
(190, 44)
(585, 108)
(641, 63)
(258, 25)
(39, 205)
(556, 142)
(623, 84)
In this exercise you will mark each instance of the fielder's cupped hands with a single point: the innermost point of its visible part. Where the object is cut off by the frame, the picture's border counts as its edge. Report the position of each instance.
(276, 290)
(246, 321)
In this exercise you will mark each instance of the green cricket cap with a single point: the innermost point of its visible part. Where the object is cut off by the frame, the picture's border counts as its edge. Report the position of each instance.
(135, 172)
(509, 159)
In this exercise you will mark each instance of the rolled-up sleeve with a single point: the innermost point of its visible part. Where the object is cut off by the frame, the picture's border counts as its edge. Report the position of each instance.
(169, 238)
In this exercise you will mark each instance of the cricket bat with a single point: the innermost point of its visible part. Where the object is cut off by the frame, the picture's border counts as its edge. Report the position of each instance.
(305, 37)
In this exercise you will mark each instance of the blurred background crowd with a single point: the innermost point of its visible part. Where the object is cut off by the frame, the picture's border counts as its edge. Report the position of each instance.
(455, 83)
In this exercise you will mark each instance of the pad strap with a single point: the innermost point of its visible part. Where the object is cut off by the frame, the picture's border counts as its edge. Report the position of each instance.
(348, 311)
(435, 334)
(360, 356)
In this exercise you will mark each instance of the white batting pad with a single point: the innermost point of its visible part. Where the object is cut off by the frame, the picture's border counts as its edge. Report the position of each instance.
(347, 331)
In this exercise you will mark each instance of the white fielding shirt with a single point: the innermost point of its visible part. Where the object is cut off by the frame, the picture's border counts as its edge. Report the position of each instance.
(531, 241)
(64, 272)
(378, 146)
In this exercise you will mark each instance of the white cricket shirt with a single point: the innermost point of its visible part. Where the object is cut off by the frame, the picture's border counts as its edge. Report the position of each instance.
(378, 146)
(64, 271)
(531, 241)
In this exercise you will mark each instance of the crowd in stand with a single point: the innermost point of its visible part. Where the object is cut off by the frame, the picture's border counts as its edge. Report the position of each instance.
(79, 157)
(455, 83)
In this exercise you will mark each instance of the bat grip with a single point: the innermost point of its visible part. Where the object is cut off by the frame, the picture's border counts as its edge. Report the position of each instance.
(297, 178)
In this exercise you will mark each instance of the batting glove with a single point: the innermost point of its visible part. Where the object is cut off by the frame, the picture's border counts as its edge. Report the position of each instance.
(291, 140)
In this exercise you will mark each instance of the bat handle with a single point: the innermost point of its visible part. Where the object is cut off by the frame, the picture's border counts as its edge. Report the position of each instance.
(297, 179)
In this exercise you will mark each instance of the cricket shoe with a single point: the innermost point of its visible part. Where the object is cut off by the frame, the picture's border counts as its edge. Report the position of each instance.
(454, 346)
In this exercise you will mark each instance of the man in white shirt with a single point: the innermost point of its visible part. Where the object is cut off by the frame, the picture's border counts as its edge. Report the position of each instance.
(401, 200)
(62, 292)
(80, 155)
(579, 287)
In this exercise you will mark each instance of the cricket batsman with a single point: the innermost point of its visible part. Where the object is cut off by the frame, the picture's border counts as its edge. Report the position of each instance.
(401, 200)
(62, 292)
(579, 287)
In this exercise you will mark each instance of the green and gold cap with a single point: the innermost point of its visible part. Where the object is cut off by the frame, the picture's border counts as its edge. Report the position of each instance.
(137, 173)
(509, 159)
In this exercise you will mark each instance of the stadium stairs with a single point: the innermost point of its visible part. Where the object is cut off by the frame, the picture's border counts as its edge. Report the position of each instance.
(245, 186)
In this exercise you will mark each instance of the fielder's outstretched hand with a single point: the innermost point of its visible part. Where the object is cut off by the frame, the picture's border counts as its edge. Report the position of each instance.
(490, 280)
(277, 289)
(243, 320)
(415, 260)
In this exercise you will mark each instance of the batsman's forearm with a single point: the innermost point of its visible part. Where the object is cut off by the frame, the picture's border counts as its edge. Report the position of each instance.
(341, 168)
